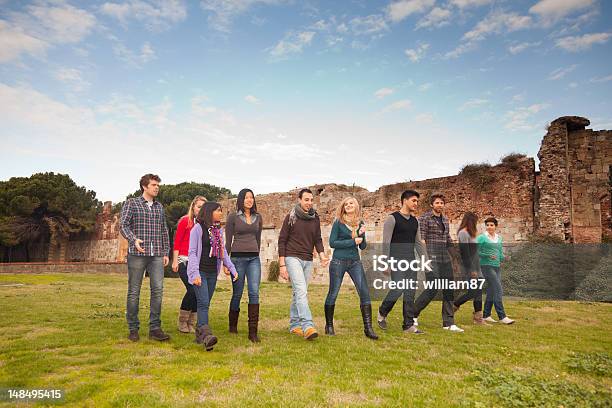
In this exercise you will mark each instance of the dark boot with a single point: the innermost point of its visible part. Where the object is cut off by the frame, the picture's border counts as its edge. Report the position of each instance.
(233, 320)
(134, 335)
(366, 314)
(208, 340)
(158, 334)
(199, 335)
(329, 320)
(253, 322)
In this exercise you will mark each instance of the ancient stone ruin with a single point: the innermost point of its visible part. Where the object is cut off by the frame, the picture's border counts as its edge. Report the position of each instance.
(568, 199)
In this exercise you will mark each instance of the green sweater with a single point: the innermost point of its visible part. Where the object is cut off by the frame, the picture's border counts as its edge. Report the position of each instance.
(345, 246)
(488, 248)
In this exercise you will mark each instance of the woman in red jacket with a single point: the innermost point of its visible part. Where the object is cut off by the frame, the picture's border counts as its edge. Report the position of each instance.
(189, 306)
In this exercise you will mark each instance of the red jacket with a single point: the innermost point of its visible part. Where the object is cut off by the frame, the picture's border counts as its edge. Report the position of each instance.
(181, 238)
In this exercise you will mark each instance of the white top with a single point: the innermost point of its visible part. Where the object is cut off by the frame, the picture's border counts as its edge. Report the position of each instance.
(494, 238)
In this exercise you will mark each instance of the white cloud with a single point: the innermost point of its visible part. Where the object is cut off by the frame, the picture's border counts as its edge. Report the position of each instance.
(470, 3)
(521, 119)
(601, 79)
(137, 59)
(155, 14)
(403, 104)
(424, 119)
(518, 48)
(223, 12)
(399, 10)
(561, 72)
(41, 26)
(368, 25)
(581, 43)
(416, 54)
(551, 11)
(496, 23)
(293, 43)
(342, 28)
(383, 92)
(425, 87)
(252, 99)
(460, 50)
(73, 78)
(473, 103)
(437, 17)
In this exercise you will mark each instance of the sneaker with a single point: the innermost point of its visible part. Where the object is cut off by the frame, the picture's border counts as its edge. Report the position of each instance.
(158, 334)
(506, 320)
(453, 328)
(413, 330)
(416, 321)
(311, 333)
(297, 331)
(382, 321)
(490, 319)
(133, 335)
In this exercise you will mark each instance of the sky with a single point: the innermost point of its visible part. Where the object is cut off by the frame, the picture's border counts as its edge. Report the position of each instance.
(277, 94)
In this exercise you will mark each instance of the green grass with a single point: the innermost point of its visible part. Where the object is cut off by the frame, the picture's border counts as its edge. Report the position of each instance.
(69, 332)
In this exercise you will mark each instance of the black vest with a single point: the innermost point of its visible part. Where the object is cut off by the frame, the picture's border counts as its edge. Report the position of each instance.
(207, 263)
(404, 234)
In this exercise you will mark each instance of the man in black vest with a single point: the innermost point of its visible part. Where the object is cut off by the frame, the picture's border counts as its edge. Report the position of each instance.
(402, 236)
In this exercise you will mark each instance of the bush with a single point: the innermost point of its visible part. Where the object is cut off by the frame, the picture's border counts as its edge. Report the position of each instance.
(597, 285)
(478, 174)
(512, 160)
(590, 363)
(273, 271)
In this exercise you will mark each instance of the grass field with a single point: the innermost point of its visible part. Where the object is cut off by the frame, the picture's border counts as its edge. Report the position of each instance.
(69, 332)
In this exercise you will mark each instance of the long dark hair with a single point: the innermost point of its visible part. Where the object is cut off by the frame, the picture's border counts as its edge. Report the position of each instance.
(240, 201)
(469, 222)
(205, 214)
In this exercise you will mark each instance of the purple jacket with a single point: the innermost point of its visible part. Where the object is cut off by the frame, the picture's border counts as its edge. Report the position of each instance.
(195, 254)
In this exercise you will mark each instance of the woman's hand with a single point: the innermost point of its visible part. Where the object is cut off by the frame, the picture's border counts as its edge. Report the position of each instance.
(474, 275)
(493, 257)
(362, 230)
(226, 271)
(358, 240)
(197, 281)
(175, 265)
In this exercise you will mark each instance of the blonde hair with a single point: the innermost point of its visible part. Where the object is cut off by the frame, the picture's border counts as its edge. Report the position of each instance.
(353, 221)
(190, 214)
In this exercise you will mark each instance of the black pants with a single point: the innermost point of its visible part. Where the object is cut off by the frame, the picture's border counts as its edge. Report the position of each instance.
(394, 294)
(190, 301)
(441, 270)
(475, 295)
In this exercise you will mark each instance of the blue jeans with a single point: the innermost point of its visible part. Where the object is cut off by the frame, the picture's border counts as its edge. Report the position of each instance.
(136, 269)
(249, 268)
(495, 292)
(204, 294)
(337, 269)
(299, 312)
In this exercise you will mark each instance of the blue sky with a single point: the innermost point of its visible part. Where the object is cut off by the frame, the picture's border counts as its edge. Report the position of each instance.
(275, 94)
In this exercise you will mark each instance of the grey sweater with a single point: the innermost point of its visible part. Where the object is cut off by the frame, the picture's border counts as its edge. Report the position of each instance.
(243, 237)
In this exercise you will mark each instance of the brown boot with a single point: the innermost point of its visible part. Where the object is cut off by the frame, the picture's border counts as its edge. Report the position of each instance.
(191, 323)
(208, 339)
(479, 320)
(253, 322)
(183, 319)
(233, 320)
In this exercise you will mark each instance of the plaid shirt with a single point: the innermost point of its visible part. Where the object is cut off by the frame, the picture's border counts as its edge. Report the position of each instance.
(139, 221)
(437, 241)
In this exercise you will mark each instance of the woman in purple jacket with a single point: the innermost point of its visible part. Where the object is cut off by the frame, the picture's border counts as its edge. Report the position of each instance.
(207, 256)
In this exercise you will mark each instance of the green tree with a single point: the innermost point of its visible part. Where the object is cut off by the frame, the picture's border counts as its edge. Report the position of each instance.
(44, 206)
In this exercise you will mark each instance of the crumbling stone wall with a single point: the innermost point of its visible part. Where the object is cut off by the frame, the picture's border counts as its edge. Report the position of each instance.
(575, 182)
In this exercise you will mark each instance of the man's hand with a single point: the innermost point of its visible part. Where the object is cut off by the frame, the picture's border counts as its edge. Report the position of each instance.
(175, 265)
(197, 281)
(358, 240)
(474, 275)
(138, 247)
(166, 261)
(283, 272)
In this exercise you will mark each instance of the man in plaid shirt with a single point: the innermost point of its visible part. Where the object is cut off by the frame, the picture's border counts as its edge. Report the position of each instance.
(143, 224)
(435, 231)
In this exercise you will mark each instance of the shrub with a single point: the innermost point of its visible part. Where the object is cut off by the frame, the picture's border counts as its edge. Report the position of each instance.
(478, 174)
(273, 271)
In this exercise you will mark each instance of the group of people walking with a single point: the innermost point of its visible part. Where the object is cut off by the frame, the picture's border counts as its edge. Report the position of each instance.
(202, 249)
